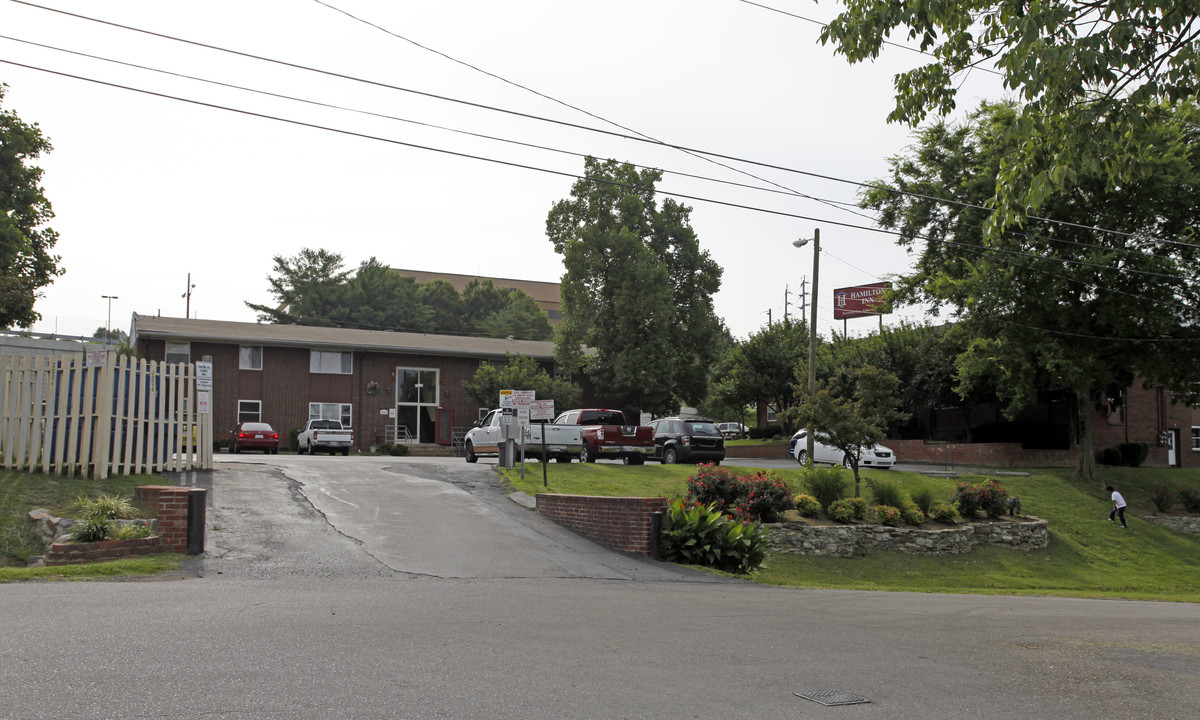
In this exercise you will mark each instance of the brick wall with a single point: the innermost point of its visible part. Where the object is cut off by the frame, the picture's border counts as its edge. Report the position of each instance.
(986, 454)
(621, 523)
(171, 504)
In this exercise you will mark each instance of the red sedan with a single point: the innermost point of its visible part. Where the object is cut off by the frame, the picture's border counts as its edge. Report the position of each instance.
(254, 436)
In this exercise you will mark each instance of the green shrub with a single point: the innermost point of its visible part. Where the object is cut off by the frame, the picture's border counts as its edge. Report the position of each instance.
(763, 432)
(826, 484)
(762, 497)
(1109, 456)
(841, 511)
(1133, 454)
(991, 497)
(887, 515)
(759, 497)
(1190, 497)
(911, 514)
(91, 529)
(807, 505)
(132, 531)
(111, 507)
(398, 449)
(1161, 497)
(924, 497)
(702, 535)
(887, 492)
(943, 513)
(713, 485)
(858, 507)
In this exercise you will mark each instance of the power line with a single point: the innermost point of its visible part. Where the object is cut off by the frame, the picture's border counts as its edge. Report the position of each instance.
(635, 138)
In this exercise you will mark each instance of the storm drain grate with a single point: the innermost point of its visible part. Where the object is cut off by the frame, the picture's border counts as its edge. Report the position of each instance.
(832, 697)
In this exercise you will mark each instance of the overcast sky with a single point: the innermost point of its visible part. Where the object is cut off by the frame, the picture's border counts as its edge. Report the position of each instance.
(147, 189)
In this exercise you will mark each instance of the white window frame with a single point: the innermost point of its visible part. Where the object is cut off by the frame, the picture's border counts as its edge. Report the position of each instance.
(246, 357)
(342, 412)
(323, 362)
(173, 348)
(244, 411)
(1195, 438)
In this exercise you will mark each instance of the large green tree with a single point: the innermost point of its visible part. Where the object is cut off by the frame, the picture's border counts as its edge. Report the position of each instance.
(1059, 305)
(307, 287)
(1091, 74)
(637, 290)
(26, 260)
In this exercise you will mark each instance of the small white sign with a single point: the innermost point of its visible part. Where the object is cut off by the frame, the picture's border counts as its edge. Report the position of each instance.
(95, 358)
(506, 398)
(541, 410)
(202, 402)
(204, 375)
(383, 411)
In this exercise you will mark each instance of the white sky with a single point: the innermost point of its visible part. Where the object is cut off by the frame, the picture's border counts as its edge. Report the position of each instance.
(147, 189)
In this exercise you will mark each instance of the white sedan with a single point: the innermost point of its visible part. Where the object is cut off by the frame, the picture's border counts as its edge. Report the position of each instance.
(873, 457)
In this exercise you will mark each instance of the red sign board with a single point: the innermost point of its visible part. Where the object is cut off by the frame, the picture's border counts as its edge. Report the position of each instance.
(860, 300)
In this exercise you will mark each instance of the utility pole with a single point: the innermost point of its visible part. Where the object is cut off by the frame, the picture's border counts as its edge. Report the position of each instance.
(803, 296)
(786, 293)
(768, 317)
(188, 294)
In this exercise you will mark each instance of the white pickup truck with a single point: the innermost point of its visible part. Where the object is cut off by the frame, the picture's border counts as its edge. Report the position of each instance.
(563, 442)
(327, 435)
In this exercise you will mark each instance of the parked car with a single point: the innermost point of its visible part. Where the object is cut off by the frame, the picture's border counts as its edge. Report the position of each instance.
(873, 457)
(327, 435)
(607, 434)
(687, 440)
(732, 430)
(254, 436)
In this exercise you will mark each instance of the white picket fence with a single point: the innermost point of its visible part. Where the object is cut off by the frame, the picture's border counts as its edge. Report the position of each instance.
(124, 416)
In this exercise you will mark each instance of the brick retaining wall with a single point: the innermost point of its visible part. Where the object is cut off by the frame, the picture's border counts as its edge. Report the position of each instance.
(985, 454)
(622, 523)
(171, 504)
(75, 553)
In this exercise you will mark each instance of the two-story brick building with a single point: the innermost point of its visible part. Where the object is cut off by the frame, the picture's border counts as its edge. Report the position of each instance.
(370, 380)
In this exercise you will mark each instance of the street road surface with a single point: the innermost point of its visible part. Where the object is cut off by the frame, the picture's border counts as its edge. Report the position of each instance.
(399, 587)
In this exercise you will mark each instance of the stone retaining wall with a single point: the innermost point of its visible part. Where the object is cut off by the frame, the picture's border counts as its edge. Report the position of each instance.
(798, 538)
(1181, 523)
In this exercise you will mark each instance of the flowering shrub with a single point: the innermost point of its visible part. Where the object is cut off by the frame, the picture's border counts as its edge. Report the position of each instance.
(887, 515)
(1190, 497)
(807, 505)
(758, 497)
(943, 513)
(1161, 497)
(712, 484)
(701, 535)
(991, 497)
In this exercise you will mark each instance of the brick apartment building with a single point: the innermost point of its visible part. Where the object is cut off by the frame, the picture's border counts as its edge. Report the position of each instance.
(371, 380)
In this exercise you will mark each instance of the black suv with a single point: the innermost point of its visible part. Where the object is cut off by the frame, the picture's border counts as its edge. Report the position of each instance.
(687, 440)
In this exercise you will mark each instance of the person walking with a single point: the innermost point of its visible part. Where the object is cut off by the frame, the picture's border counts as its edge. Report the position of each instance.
(1118, 507)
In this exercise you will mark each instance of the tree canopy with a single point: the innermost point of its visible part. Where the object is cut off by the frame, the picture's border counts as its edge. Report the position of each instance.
(637, 290)
(850, 410)
(26, 260)
(314, 288)
(1060, 305)
(765, 367)
(521, 372)
(1091, 76)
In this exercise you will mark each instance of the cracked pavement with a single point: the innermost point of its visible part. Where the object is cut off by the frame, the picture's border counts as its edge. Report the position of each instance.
(279, 516)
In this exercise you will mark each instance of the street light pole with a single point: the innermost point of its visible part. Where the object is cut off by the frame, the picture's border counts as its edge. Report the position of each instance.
(812, 326)
(108, 323)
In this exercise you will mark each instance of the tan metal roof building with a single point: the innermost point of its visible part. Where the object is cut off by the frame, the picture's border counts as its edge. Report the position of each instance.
(548, 295)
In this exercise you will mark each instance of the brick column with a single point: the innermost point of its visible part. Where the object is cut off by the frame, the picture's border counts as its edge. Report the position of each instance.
(171, 504)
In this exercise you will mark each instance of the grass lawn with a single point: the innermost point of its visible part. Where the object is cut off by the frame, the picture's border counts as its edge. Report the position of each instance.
(1088, 556)
(21, 492)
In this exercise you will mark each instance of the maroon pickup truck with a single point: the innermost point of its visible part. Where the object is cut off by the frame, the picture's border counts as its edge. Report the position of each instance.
(606, 435)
